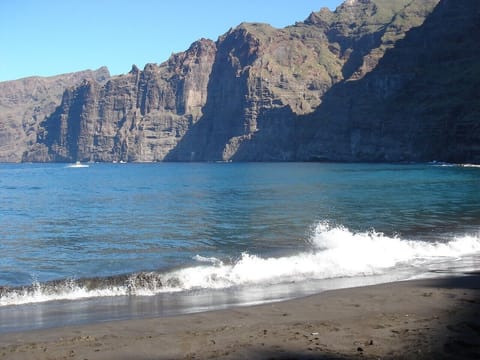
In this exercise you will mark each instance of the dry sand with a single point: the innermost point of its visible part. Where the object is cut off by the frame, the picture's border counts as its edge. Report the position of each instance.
(426, 319)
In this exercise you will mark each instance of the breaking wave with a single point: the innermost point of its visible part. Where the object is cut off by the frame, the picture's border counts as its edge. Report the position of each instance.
(335, 252)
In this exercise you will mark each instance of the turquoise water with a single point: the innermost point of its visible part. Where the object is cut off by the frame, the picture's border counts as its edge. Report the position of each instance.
(144, 229)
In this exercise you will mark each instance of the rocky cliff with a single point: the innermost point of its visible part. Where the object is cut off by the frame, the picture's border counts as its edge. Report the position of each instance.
(375, 80)
(139, 116)
(420, 103)
(26, 102)
(265, 82)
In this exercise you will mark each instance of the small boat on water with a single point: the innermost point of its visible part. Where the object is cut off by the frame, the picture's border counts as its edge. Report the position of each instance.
(78, 164)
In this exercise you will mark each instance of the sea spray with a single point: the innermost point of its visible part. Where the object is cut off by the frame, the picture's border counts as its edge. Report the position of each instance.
(335, 252)
(375, 250)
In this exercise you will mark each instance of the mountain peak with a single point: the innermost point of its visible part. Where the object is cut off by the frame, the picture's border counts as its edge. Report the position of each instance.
(134, 70)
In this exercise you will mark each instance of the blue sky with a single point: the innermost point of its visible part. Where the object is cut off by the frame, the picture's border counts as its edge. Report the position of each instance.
(49, 37)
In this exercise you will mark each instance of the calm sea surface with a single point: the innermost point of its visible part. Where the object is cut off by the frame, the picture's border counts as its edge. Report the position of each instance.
(144, 229)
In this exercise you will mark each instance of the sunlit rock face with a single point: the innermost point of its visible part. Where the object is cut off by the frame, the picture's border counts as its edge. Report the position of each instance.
(139, 116)
(25, 103)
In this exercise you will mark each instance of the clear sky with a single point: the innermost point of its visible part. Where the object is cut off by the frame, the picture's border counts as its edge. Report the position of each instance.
(49, 37)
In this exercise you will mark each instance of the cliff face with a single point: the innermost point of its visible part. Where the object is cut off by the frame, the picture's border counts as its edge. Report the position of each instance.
(264, 80)
(376, 80)
(26, 102)
(139, 116)
(420, 103)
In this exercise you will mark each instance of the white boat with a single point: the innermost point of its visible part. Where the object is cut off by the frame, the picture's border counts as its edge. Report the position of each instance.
(78, 164)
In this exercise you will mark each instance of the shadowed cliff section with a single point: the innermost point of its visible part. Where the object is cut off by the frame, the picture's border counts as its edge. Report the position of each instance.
(225, 112)
(264, 79)
(419, 104)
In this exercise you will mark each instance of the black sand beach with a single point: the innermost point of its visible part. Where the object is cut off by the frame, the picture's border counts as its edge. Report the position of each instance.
(422, 319)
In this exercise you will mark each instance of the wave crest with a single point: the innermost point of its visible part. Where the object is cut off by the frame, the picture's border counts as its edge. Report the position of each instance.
(336, 252)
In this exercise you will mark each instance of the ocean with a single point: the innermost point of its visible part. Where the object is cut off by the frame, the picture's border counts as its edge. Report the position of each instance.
(116, 241)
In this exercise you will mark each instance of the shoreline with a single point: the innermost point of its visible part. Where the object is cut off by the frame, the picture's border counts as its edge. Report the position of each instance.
(423, 319)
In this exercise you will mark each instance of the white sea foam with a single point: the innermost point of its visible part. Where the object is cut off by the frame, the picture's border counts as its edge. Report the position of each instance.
(445, 164)
(336, 252)
(470, 165)
(67, 290)
(77, 165)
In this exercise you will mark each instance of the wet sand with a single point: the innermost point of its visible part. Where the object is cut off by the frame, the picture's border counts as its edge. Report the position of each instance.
(424, 319)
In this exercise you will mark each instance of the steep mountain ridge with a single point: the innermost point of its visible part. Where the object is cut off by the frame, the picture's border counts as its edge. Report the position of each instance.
(24, 103)
(375, 80)
(134, 117)
(256, 99)
(419, 104)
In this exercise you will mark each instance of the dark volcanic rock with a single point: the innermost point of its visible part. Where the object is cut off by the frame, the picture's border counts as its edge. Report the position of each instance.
(421, 103)
(375, 80)
(266, 81)
(139, 116)
(26, 102)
